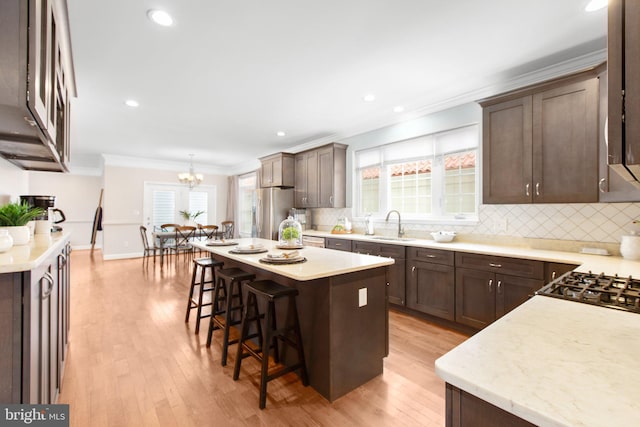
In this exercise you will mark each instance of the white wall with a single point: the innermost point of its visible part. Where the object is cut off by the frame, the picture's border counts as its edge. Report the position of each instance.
(13, 182)
(77, 196)
(124, 204)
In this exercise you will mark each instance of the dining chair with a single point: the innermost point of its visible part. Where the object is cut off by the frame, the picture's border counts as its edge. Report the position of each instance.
(209, 231)
(148, 249)
(184, 235)
(227, 229)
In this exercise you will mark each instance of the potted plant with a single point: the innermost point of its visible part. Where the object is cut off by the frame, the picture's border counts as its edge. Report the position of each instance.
(14, 218)
(290, 234)
(189, 216)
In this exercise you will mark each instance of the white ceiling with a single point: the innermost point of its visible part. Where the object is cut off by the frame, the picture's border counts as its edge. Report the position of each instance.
(229, 74)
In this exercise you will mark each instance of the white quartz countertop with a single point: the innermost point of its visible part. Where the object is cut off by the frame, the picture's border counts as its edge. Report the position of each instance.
(595, 263)
(554, 363)
(30, 256)
(320, 262)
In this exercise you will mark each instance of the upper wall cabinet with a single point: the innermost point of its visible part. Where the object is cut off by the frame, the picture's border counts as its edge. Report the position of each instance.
(321, 177)
(277, 170)
(37, 83)
(540, 143)
(624, 89)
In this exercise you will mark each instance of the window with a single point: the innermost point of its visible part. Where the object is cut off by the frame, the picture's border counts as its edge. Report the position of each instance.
(163, 203)
(198, 203)
(246, 209)
(164, 207)
(429, 177)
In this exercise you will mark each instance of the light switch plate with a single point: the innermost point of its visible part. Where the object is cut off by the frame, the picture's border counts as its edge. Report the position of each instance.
(362, 297)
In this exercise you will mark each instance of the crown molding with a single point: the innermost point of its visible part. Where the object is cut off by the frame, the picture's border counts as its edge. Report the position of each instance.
(147, 163)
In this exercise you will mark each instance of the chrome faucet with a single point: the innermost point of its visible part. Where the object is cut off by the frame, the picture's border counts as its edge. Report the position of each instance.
(400, 229)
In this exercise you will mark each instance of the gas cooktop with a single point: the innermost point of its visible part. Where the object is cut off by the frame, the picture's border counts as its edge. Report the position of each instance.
(608, 291)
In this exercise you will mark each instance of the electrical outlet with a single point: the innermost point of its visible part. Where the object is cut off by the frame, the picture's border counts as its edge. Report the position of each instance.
(362, 297)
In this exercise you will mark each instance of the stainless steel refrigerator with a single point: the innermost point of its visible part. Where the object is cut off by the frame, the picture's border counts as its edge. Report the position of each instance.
(271, 208)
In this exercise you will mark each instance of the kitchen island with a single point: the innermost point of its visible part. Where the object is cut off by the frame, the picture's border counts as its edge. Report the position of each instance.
(550, 362)
(342, 305)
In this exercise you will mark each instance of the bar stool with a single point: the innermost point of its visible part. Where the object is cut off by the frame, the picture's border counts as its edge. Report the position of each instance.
(203, 264)
(270, 291)
(229, 283)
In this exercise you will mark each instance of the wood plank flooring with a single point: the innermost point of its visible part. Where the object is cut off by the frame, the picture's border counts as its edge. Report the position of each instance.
(133, 361)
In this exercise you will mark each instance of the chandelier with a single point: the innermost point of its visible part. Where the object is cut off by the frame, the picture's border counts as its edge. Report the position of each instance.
(190, 178)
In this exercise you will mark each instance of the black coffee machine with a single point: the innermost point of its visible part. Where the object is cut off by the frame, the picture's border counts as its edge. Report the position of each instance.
(46, 203)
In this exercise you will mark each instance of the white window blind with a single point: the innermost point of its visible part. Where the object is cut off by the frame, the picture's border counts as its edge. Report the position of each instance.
(164, 207)
(198, 202)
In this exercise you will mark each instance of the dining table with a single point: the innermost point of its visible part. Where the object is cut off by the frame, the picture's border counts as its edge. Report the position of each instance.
(162, 237)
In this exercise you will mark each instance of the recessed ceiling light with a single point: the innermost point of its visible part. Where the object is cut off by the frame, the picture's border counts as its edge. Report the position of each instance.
(369, 98)
(131, 103)
(398, 109)
(160, 17)
(280, 133)
(595, 5)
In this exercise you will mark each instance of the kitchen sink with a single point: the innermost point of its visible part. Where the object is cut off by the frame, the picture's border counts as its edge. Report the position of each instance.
(396, 239)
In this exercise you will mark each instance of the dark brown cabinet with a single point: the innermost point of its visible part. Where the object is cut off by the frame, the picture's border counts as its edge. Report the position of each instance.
(338, 244)
(487, 287)
(396, 272)
(35, 331)
(540, 144)
(430, 282)
(624, 88)
(320, 177)
(277, 170)
(38, 81)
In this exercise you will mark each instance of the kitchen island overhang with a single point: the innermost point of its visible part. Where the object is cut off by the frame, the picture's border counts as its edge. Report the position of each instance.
(342, 305)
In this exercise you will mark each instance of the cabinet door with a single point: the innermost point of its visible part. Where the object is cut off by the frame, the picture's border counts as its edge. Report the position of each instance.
(506, 145)
(266, 173)
(431, 288)
(325, 178)
(475, 297)
(312, 197)
(300, 190)
(338, 244)
(366, 248)
(565, 144)
(39, 36)
(632, 84)
(513, 291)
(53, 65)
(396, 282)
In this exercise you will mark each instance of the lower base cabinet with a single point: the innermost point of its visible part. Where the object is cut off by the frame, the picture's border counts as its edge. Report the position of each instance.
(34, 331)
(464, 409)
(431, 282)
(396, 272)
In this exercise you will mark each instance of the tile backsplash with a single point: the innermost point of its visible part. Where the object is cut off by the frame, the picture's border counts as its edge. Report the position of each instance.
(583, 222)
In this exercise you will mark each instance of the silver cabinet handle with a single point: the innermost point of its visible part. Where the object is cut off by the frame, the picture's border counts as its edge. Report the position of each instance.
(47, 276)
(413, 270)
(499, 286)
(601, 184)
(431, 256)
(553, 275)
(490, 285)
(537, 188)
(526, 189)
(495, 265)
(330, 200)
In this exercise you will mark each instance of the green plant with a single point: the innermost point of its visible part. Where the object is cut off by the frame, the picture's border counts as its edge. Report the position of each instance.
(16, 214)
(290, 233)
(188, 215)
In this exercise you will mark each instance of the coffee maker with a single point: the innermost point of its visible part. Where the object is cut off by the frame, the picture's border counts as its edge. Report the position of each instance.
(44, 224)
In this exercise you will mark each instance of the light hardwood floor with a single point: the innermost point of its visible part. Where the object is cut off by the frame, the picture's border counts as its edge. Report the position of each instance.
(134, 362)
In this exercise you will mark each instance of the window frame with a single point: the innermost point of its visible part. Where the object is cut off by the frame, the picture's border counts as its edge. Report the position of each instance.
(437, 155)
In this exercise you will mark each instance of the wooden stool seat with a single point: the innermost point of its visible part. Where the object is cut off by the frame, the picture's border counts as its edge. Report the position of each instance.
(289, 334)
(202, 264)
(228, 289)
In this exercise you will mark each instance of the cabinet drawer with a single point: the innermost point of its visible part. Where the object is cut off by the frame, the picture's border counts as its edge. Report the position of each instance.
(392, 251)
(436, 256)
(504, 265)
(339, 244)
(365, 248)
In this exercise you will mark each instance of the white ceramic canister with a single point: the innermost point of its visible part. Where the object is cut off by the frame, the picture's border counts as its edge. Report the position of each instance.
(6, 241)
(20, 234)
(630, 247)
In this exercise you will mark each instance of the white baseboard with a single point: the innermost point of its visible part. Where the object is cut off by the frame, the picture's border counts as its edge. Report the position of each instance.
(121, 256)
(84, 247)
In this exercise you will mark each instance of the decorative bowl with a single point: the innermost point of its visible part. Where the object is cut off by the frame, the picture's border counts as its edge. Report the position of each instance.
(443, 236)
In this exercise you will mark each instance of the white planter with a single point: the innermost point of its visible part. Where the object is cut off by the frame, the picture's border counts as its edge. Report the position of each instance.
(630, 247)
(6, 241)
(20, 234)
